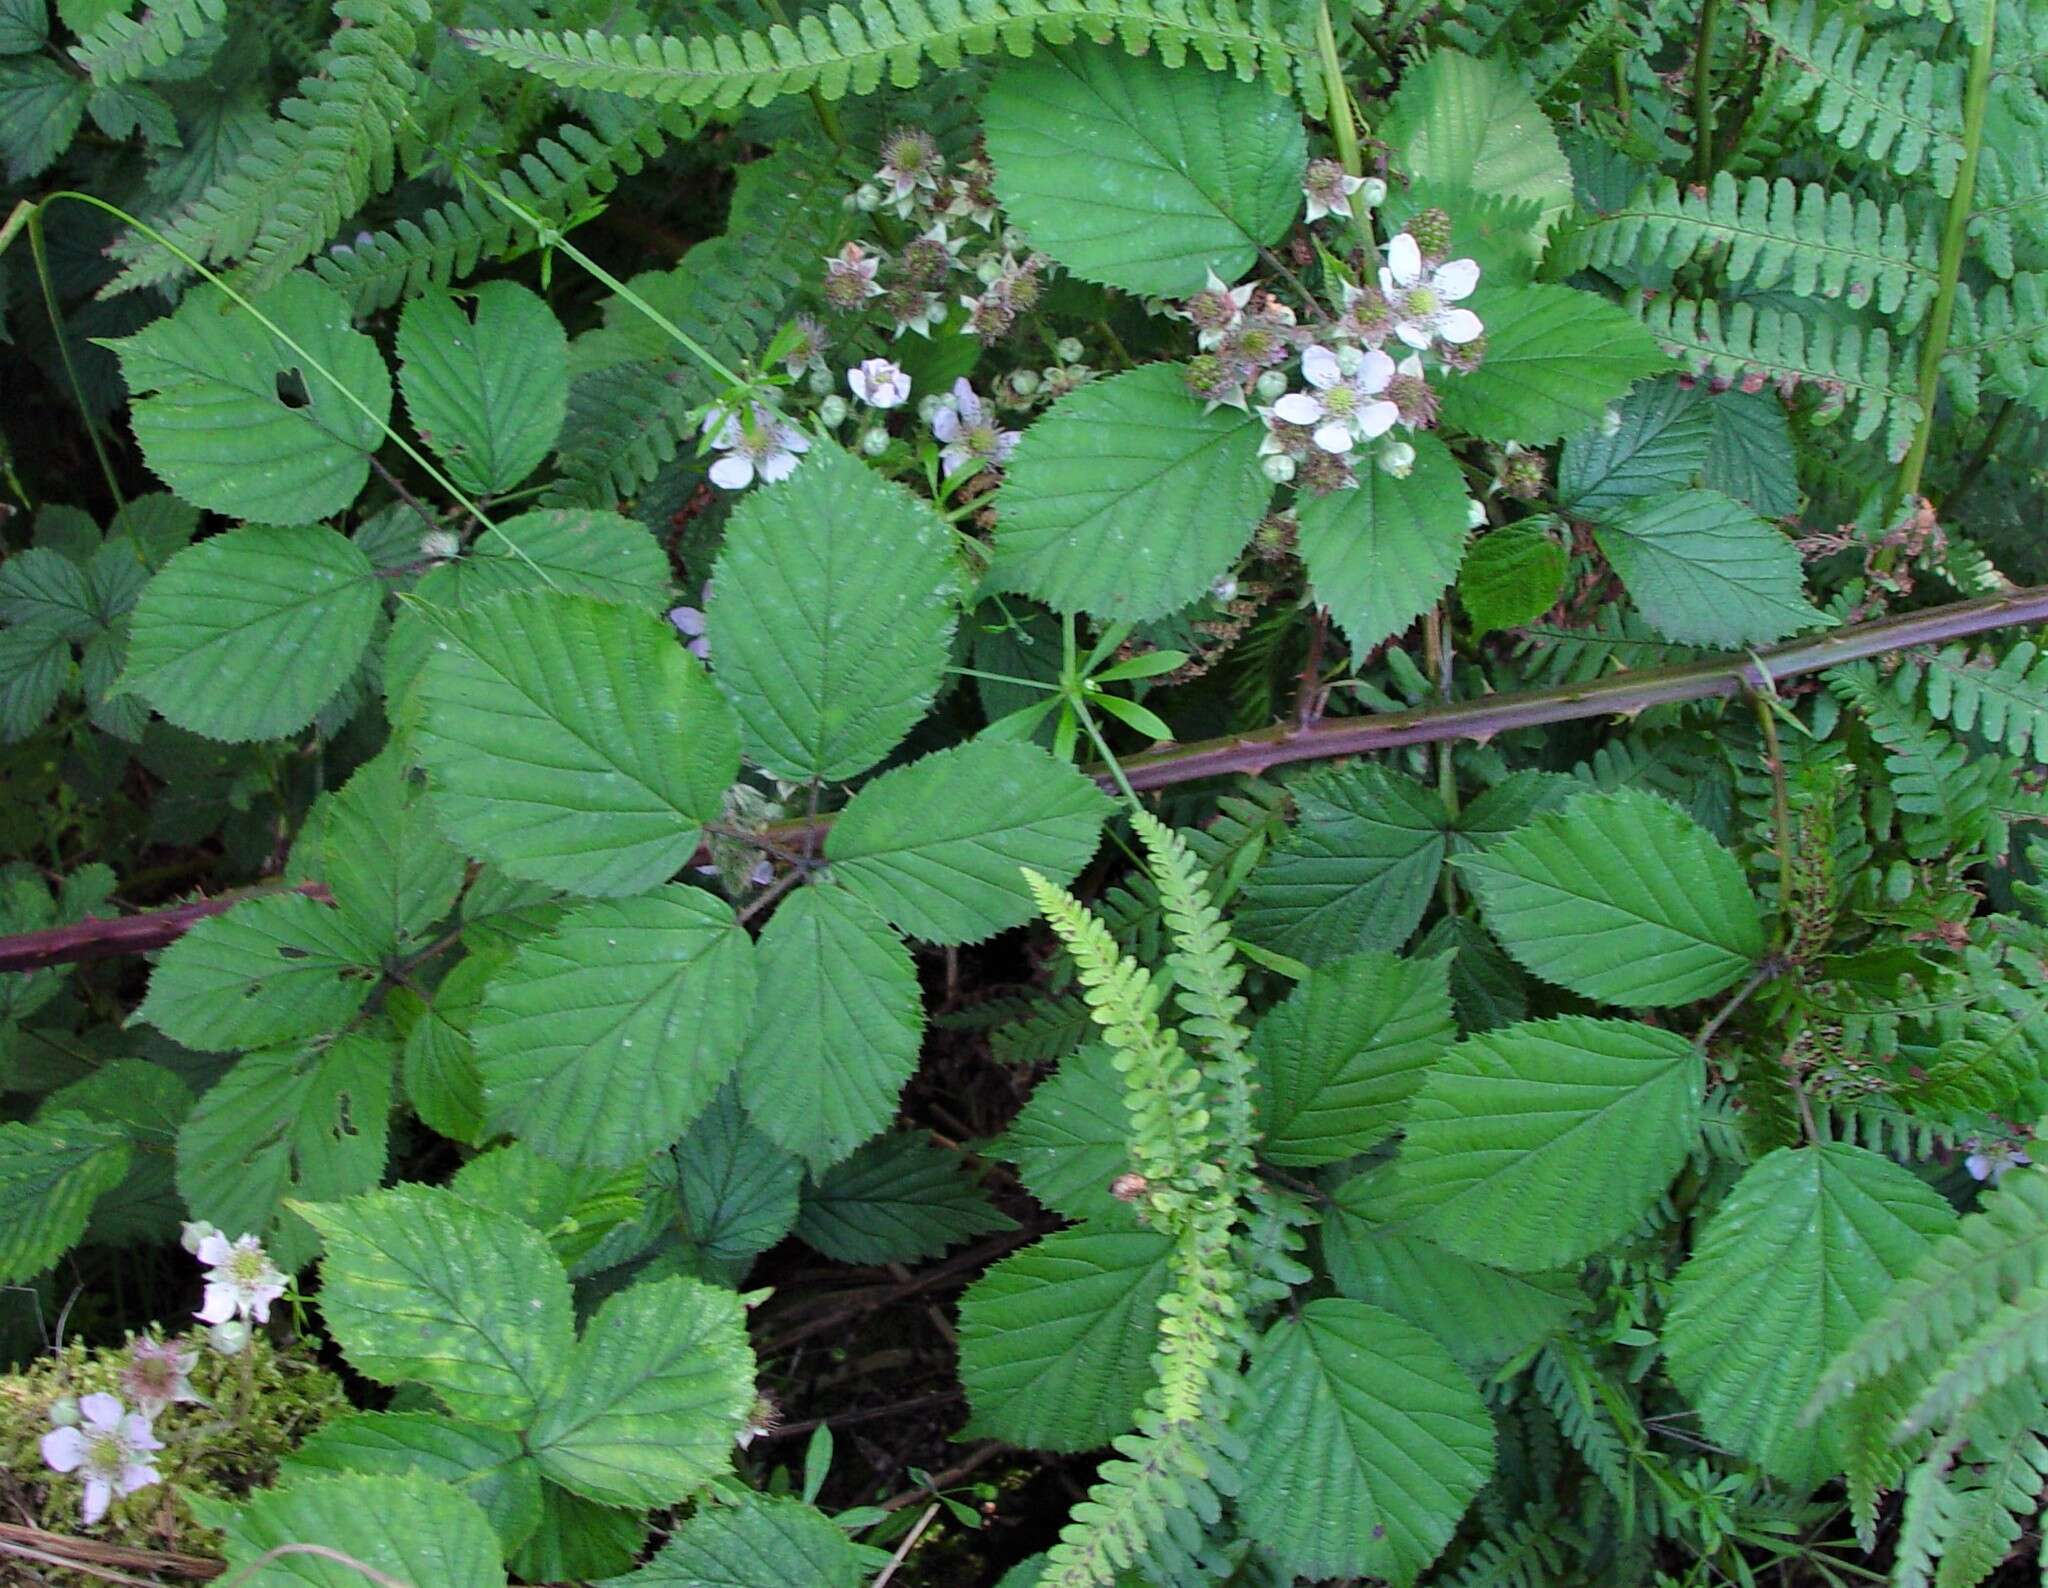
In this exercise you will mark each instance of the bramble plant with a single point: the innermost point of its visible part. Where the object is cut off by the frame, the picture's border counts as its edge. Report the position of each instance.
(1056, 795)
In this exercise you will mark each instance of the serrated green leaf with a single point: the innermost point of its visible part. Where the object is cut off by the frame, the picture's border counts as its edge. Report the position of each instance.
(1354, 872)
(760, 1542)
(836, 1026)
(44, 586)
(212, 416)
(1803, 1251)
(578, 1538)
(1380, 555)
(1073, 1137)
(573, 742)
(421, 1287)
(1056, 1340)
(410, 1528)
(1536, 1144)
(248, 634)
(831, 645)
(24, 26)
(1705, 570)
(601, 1042)
(1555, 358)
(439, 1068)
(271, 969)
(487, 394)
(737, 1189)
(939, 846)
(41, 105)
(309, 1121)
(486, 1464)
(1749, 451)
(1511, 576)
(1126, 499)
(651, 1398)
(898, 1199)
(575, 1208)
(1461, 122)
(1620, 897)
(51, 1174)
(1483, 1315)
(1340, 1056)
(391, 872)
(1130, 173)
(35, 670)
(1654, 440)
(1366, 1443)
(149, 1103)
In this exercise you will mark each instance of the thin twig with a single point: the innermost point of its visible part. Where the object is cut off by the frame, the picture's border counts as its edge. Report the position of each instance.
(771, 893)
(405, 495)
(909, 1543)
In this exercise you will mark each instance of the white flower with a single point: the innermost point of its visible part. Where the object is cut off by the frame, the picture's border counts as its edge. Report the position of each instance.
(1328, 188)
(1423, 300)
(241, 1280)
(111, 1448)
(910, 161)
(850, 277)
(767, 446)
(1342, 409)
(968, 434)
(1991, 1160)
(1214, 311)
(807, 351)
(879, 383)
(156, 1375)
(689, 622)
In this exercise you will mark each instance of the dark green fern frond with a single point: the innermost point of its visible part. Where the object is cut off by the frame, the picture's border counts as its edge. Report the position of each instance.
(121, 48)
(326, 152)
(854, 50)
(1975, 690)
(2000, 341)
(1767, 235)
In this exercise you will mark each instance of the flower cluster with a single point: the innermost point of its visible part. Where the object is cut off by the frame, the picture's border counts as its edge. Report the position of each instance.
(1353, 388)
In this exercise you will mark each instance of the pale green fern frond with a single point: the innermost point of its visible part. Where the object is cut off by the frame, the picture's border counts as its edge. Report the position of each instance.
(121, 48)
(1976, 690)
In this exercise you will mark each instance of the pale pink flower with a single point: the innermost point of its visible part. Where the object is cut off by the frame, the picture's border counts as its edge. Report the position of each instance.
(110, 1448)
(156, 1375)
(1328, 188)
(241, 1280)
(879, 383)
(766, 446)
(967, 432)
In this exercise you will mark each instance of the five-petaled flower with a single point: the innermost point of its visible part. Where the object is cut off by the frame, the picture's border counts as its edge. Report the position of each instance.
(968, 435)
(879, 383)
(1342, 409)
(1328, 188)
(110, 1449)
(1424, 301)
(910, 160)
(763, 444)
(241, 1280)
(156, 1375)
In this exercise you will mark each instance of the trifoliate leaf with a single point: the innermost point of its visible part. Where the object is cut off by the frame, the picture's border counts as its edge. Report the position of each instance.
(1380, 555)
(1555, 358)
(1705, 570)
(738, 1190)
(271, 969)
(1354, 872)
(411, 1529)
(651, 1398)
(486, 1464)
(391, 872)
(574, 742)
(1366, 1443)
(1130, 173)
(1535, 1144)
(236, 421)
(831, 608)
(51, 1173)
(898, 1199)
(1803, 1251)
(248, 634)
(1483, 1315)
(1654, 440)
(939, 846)
(1340, 1056)
(1620, 897)
(421, 1287)
(1126, 500)
(1073, 1137)
(487, 394)
(836, 1026)
(1056, 1340)
(1749, 451)
(310, 1121)
(1461, 122)
(1511, 576)
(601, 1042)
(759, 1542)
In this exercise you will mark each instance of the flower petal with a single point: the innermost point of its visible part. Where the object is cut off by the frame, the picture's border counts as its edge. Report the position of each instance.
(730, 473)
(101, 1410)
(214, 1250)
(98, 1495)
(63, 1449)
(1334, 438)
(137, 1475)
(1414, 335)
(776, 467)
(1298, 408)
(137, 1431)
(946, 423)
(1456, 279)
(1319, 366)
(1374, 371)
(1376, 419)
(1459, 326)
(219, 1303)
(1404, 260)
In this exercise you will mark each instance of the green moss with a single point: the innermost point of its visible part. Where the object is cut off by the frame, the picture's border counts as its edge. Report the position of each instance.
(254, 1409)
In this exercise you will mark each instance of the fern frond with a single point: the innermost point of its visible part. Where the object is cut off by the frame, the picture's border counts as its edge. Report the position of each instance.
(1949, 797)
(849, 50)
(1770, 235)
(326, 152)
(1570, 1386)
(2000, 339)
(121, 49)
(2011, 1341)
(1984, 1503)
(2003, 698)
(1876, 99)
(1144, 1512)
(1851, 368)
